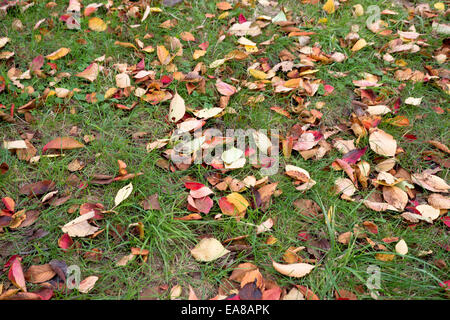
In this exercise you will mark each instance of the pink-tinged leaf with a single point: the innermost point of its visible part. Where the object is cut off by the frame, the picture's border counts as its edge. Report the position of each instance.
(233, 297)
(202, 205)
(353, 156)
(328, 89)
(64, 143)
(96, 207)
(141, 65)
(204, 45)
(201, 193)
(65, 242)
(90, 73)
(241, 18)
(224, 88)
(11, 260)
(272, 294)
(193, 185)
(16, 276)
(37, 63)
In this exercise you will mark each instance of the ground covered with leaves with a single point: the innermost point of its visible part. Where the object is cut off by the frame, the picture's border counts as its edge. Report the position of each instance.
(113, 187)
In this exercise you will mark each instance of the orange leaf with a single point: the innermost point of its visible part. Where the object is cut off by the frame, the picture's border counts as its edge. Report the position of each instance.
(65, 143)
(399, 121)
(224, 6)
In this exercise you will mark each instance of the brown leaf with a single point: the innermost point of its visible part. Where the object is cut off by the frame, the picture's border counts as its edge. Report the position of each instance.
(342, 294)
(151, 203)
(39, 273)
(395, 196)
(370, 226)
(37, 188)
(307, 207)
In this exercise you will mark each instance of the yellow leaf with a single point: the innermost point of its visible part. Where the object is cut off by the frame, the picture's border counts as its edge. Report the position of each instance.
(208, 249)
(260, 75)
(361, 43)
(126, 45)
(163, 55)
(239, 202)
(439, 6)
(329, 7)
(110, 92)
(58, 54)
(223, 15)
(97, 24)
(198, 53)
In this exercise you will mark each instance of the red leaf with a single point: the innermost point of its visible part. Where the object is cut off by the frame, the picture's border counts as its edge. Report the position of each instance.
(193, 185)
(65, 242)
(16, 276)
(241, 18)
(303, 236)
(166, 80)
(226, 206)
(446, 220)
(410, 137)
(353, 156)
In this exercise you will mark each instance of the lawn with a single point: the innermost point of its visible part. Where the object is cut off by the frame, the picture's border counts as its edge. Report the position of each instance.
(93, 96)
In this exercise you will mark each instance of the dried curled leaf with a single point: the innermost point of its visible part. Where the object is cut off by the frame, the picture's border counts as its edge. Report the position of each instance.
(296, 270)
(122, 194)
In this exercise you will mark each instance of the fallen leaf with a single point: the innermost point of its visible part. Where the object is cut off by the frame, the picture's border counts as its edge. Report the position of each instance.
(15, 274)
(87, 284)
(39, 273)
(90, 73)
(97, 24)
(122, 194)
(401, 247)
(296, 270)
(208, 249)
(80, 227)
(382, 143)
(177, 108)
(58, 54)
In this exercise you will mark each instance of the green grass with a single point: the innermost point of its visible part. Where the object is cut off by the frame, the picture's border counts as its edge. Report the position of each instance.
(168, 240)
